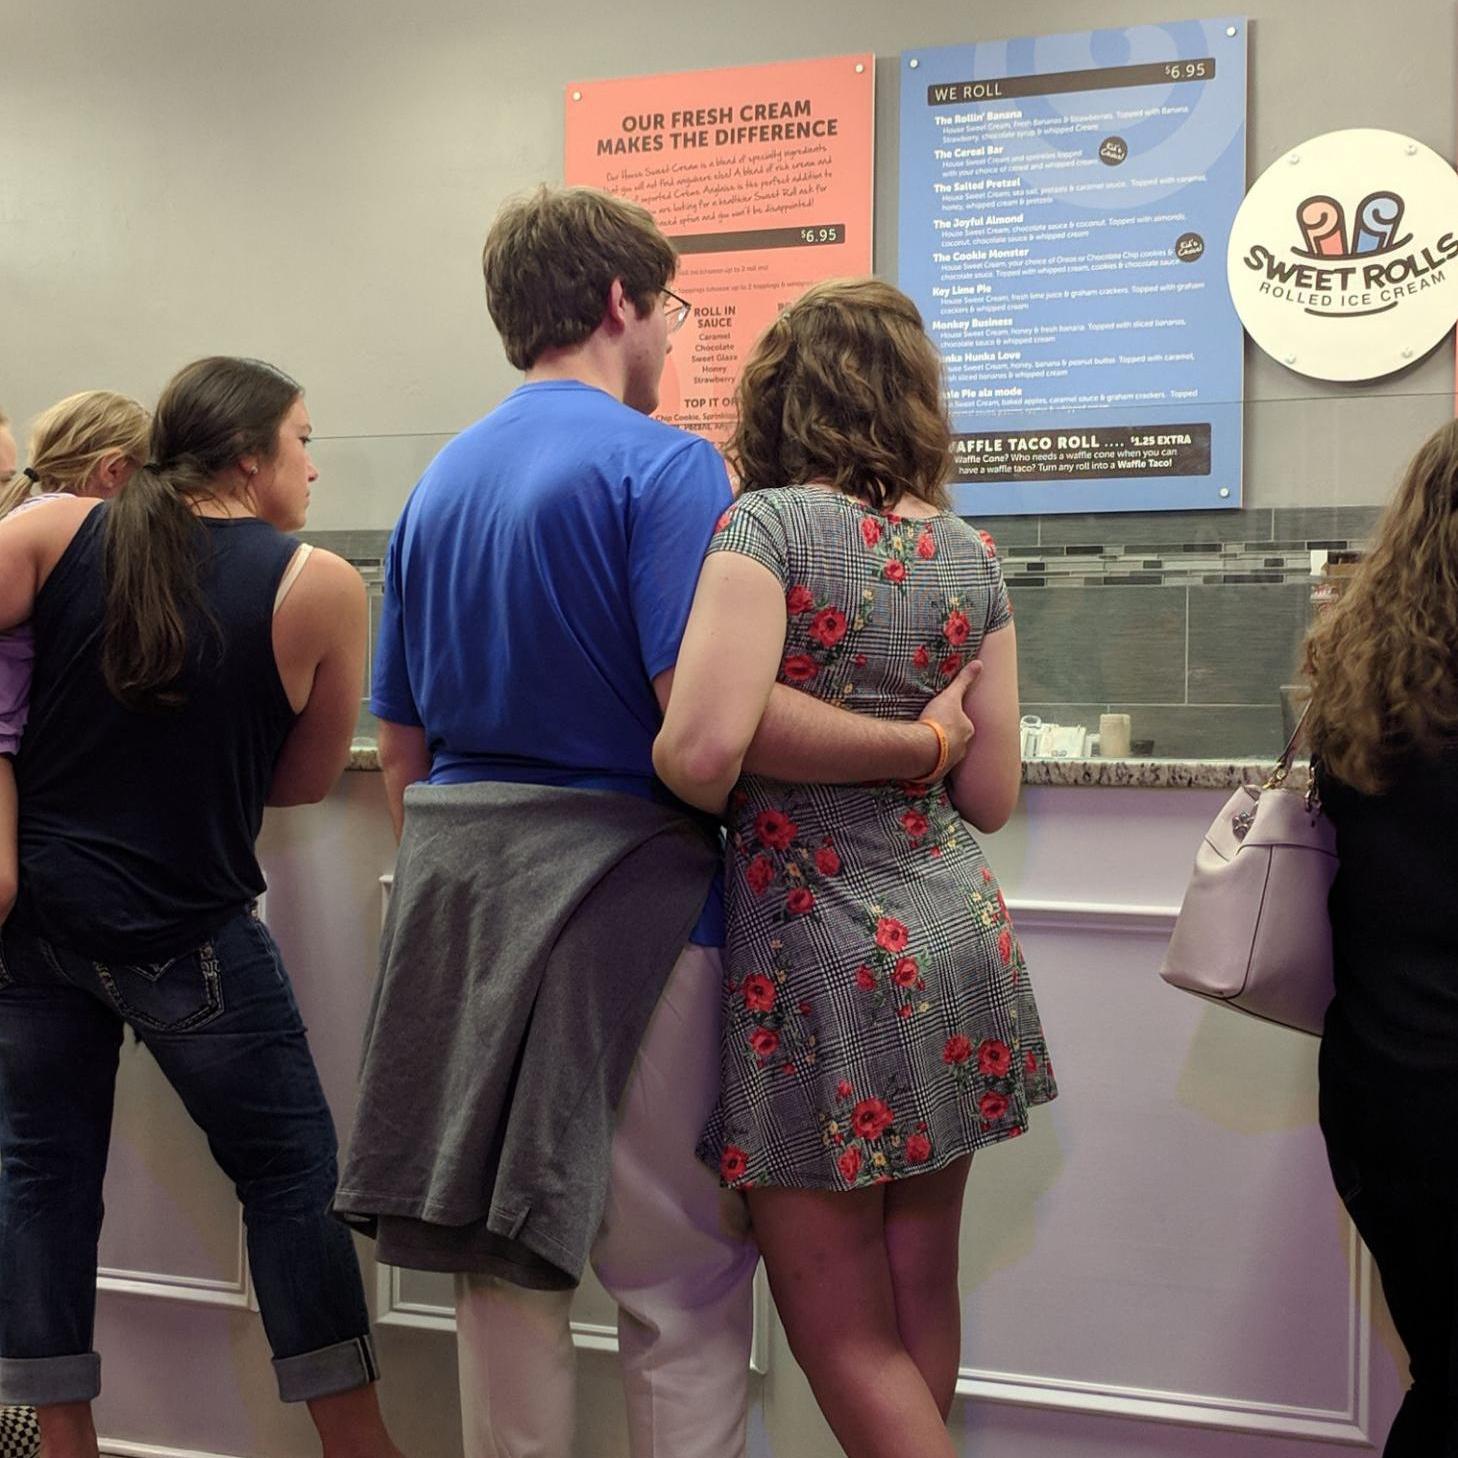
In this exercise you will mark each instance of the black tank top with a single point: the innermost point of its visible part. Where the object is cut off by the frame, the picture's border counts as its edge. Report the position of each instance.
(137, 829)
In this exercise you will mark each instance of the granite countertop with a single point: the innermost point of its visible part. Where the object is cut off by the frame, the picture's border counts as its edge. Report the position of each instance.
(1148, 774)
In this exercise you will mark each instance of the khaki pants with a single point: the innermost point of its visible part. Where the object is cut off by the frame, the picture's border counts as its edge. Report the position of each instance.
(673, 1251)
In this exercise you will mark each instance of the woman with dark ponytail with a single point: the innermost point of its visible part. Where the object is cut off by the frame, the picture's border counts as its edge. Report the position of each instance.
(193, 664)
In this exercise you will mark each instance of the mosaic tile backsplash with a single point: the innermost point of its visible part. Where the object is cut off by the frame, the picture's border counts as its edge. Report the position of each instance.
(1189, 622)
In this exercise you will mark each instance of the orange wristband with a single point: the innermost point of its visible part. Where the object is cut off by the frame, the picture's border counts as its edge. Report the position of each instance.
(944, 750)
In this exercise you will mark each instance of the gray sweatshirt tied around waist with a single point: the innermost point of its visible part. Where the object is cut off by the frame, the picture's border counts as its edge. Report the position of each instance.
(530, 932)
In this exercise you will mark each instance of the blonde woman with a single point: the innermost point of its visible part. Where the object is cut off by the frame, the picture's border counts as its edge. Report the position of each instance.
(878, 1024)
(1383, 666)
(85, 445)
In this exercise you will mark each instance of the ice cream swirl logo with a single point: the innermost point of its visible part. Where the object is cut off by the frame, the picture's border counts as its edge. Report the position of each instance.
(1342, 260)
(1339, 274)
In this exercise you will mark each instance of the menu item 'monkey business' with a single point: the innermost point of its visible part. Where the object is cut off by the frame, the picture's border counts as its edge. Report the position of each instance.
(1065, 204)
(762, 178)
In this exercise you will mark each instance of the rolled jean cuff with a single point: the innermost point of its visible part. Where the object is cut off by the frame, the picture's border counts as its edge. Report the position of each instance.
(39, 1381)
(326, 1370)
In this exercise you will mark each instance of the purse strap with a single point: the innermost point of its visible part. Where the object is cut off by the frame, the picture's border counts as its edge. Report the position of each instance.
(1283, 764)
(1277, 777)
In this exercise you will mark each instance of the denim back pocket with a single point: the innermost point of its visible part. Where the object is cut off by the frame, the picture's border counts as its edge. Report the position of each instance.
(175, 996)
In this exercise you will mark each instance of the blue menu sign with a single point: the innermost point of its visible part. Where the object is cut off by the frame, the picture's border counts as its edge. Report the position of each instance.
(1065, 206)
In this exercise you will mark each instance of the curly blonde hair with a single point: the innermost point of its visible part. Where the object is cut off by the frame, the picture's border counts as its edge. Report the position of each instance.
(845, 387)
(1383, 660)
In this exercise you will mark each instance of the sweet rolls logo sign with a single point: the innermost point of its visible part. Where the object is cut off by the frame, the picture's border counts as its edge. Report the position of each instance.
(1345, 295)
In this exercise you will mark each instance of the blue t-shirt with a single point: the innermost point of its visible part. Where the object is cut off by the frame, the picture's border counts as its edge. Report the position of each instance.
(538, 580)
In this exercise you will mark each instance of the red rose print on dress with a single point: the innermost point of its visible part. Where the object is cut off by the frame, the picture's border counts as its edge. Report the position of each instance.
(1030, 1063)
(956, 628)
(865, 979)
(891, 935)
(904, 1011)
(842, 1090)
(994, 1057)
(906, 972)
(870, 530)
(827, 861)
(895, 570)
(921, 658)
(828, 626)
(951, 664)
(759, 992)
(799, 668)
(724, 520)
(800, 901)
(775, 829)
(799, 600)
(849, 1165)
(1005, 945)
(988, 545)
(986, 876)
(733, 1164)
(958, 1049)
(871, 1118)
(926, 546)
(760, 873)
(992, 1106)
(764, 1041)
(918, 1149)
(915, 824)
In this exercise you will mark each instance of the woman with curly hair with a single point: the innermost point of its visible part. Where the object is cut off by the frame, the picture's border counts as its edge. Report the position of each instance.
(878, 1021)
(1383, 722)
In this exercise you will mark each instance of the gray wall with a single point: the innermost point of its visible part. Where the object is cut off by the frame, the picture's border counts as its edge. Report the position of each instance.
(311, 182)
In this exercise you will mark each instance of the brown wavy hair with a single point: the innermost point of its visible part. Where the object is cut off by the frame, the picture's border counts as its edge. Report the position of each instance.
(1383, 660)
(845, 387)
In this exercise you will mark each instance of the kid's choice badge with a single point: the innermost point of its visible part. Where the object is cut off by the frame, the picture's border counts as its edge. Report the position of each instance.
(1343, 259)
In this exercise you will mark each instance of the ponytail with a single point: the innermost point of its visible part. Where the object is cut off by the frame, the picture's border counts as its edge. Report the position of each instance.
(17, 491)
(152, 550)
(212, 412)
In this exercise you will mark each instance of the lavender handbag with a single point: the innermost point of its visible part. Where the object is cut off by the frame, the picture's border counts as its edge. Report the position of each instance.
(1253, 931)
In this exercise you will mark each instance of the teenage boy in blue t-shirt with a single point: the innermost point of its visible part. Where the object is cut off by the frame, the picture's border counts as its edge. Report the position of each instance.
(536, 590)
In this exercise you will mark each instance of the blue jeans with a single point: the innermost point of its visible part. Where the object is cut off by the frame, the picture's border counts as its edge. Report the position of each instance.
(222, 1023)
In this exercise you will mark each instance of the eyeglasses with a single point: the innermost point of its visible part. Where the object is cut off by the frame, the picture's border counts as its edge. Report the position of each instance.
(676, 309)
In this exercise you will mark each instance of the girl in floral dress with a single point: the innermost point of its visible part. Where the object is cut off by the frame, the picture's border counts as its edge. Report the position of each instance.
(879, 1025)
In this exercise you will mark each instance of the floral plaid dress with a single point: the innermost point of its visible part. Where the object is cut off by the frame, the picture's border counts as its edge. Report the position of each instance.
(878, 1018)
